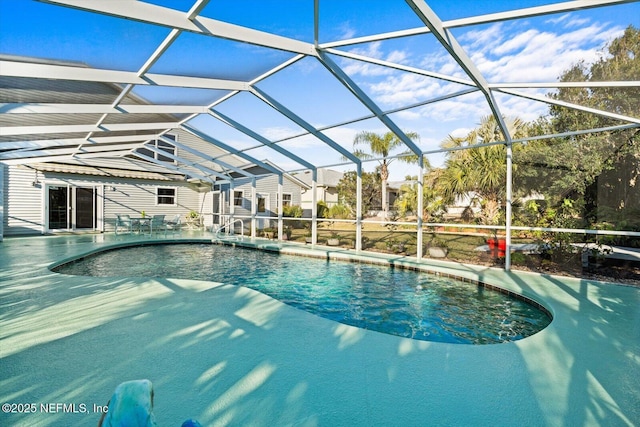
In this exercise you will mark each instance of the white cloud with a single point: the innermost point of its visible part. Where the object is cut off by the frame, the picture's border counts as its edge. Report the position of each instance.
(405, 89)
(568, 20)
(503, 52)
(278, 132)
(576, 22)
(373, 50)
(342, 135)
(460, 132)
(539, 56)
(525, 109)
(305, 141)
(347, 32)
(483, 40)
(409, 115)
(558, 19)
(397, 56)
(516, 42)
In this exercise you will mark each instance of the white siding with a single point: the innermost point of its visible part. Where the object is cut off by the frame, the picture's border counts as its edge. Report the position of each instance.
(3, 202)
(25, 210)
(134, 197)
(24, 214)
(266, 185)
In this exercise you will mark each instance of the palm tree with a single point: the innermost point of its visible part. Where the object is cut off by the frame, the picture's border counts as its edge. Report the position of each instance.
(380, 147)
(481, 170)
(433, 204)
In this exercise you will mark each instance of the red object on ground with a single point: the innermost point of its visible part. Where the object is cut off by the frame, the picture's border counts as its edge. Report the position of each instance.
(502, 247)
(497, 247)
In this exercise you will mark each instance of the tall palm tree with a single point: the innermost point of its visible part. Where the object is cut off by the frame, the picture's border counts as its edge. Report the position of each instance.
(380, 147)
(480, 170)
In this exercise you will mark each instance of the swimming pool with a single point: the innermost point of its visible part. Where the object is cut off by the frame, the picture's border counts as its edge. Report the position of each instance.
(394, 301)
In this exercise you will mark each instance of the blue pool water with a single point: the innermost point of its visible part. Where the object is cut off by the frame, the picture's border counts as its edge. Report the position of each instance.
(394, 301)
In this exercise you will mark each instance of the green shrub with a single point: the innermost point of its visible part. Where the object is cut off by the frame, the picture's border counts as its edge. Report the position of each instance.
(339, 212)
(292, 211)
(322, 209)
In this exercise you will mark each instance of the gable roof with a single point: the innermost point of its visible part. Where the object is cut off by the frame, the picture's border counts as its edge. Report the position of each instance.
(326, 177)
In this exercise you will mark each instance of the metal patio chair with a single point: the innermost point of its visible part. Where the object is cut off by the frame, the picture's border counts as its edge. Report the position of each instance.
(126, 222)
(174, 225)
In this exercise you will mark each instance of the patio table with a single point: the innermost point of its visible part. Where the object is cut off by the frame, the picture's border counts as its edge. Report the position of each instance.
(144, 220)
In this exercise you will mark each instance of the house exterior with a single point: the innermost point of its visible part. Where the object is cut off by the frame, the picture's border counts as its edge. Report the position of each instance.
(235, 199)
(60, 174)
(326, 188)
(76, 195)
(43, 198)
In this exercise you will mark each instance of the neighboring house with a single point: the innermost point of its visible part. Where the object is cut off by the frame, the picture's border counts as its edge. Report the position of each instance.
(326, 188)
(236, 199)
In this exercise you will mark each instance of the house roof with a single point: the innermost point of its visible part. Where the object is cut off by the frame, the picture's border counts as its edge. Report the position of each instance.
(57, 110)
(326, 177)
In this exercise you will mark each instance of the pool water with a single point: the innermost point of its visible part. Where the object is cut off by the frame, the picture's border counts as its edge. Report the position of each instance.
(394, 301)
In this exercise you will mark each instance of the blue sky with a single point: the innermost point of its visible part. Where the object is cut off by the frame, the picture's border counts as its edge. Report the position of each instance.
(530, 50)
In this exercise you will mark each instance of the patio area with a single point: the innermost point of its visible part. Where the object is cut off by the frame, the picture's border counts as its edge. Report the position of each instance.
(231, 356)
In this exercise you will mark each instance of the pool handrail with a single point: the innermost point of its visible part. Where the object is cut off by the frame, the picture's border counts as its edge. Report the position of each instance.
(227, 228)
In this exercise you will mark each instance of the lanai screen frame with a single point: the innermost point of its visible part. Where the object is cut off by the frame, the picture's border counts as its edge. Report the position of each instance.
(23, 152)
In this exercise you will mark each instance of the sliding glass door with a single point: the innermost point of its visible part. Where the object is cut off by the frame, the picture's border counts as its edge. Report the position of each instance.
(58, 207)
(71, 208)
(85, 208)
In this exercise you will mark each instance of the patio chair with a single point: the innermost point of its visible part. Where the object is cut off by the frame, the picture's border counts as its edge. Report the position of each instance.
(157, 224)
(173, 225)
(126, 222)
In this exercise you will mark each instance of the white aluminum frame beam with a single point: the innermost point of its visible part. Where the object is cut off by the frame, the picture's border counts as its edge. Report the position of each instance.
(446, 39)
(44, 143)
(263, 76)
(171, 167)
(38, 159)
(342, 77)
(112, 127)
(207, 171)
(59, 72)
(571, 105)
(554, 85)
(47, 108)
(399, 67)
(53, 151)
(206, 157)
(261, 139)
(101, 154)
(157, 15)
(372, 116)
(560, 7)
(213, 141)
(263, 96)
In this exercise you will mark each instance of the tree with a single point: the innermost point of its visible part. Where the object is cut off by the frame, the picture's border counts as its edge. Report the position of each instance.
(381, 147)
(347, 190)
(481, 171)
(596, 171)
(433, 203)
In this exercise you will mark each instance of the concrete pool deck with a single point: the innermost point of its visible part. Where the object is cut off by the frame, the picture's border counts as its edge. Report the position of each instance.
(230, 356)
